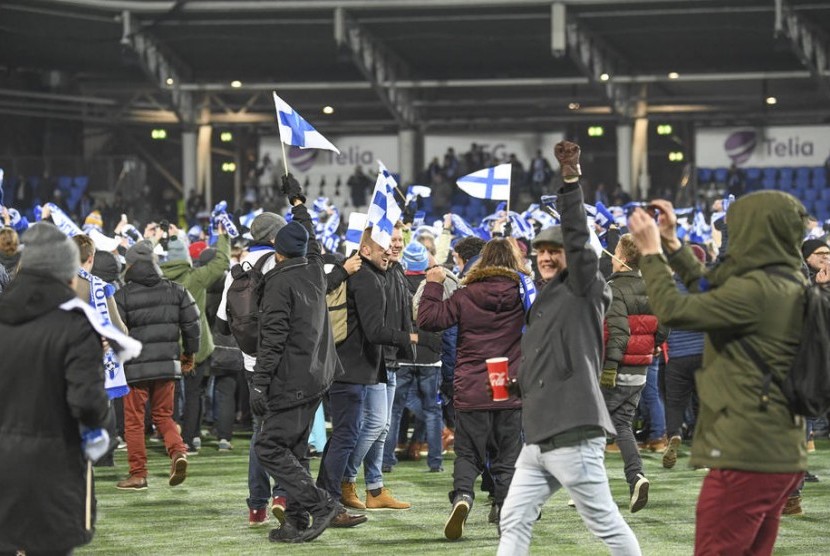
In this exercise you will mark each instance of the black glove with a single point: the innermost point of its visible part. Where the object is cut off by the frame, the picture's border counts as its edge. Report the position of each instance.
(508, 228)
(431, 341)
(408, 215)
(291, 189)
(447, 390)
(259, 400)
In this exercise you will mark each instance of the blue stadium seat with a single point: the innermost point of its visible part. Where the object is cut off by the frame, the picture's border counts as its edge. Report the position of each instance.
(768, 182)
(802, 182)
(785, 173)
(753, 173)
(819, 171)
(819, 181)
(770, 172)
(786, 183)
(704, 175)
(809, 194)
(720, 175)
(824, 193)
(803, 171)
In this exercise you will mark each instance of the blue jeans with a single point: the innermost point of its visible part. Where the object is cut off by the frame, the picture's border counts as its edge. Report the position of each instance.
(346, 406)
(404, 380)
(581, 471)
(377, 404)
(259, 482)
(317, 438)
(651, 405)
(424, 403)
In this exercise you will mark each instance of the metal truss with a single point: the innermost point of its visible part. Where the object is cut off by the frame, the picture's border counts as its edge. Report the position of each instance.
(810, 47)
(381, 67)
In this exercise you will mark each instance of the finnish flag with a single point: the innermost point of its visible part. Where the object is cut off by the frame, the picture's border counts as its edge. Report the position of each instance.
(490, 183)
(294, 130)
(357, 223)
(384, 211)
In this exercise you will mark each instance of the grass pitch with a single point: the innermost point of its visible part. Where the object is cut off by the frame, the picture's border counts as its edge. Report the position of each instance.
(207, 514)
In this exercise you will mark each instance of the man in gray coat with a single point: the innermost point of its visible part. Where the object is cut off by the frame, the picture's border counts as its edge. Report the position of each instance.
(564, 416)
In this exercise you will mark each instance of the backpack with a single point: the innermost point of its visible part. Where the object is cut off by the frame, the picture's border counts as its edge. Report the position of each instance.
(338, 313)
(807, 384)
(243, 304)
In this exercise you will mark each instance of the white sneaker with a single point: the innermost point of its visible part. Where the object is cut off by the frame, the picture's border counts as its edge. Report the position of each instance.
(225, 445)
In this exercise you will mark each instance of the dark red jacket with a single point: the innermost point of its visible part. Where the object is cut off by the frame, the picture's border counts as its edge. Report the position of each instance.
(490, 315)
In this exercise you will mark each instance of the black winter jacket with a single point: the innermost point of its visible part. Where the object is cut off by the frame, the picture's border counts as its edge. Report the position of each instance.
(51, 379)
(296, 359)
(362, 351)
(156, 311)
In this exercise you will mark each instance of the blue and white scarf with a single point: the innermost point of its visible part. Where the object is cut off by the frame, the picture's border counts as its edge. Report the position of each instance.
(527, 290)
(99, 291)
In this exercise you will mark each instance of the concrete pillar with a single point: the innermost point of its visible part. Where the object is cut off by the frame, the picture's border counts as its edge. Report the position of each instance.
(204, 173)
(624, 156)
(189, 163)
(410, 154)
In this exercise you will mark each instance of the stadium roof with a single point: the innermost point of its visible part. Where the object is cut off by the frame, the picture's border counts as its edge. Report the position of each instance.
(438, 65)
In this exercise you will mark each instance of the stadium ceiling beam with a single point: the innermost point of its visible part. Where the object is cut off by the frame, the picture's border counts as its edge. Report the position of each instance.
(240, 6)
(378, 64)
(160, 66)
(810, 47)
(498, 82)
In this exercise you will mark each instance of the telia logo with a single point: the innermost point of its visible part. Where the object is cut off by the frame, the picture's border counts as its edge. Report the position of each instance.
(740, 145)
(302, 159)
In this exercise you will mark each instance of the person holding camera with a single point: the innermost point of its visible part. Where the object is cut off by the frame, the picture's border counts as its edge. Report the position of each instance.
(156, 311)
(564, 418)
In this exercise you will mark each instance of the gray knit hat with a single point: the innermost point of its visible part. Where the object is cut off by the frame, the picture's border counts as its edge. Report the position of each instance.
(141, 251)
(48, 251)
(178, 250)
(265, 227)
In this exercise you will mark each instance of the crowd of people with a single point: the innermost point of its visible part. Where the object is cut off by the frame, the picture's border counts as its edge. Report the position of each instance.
(601, 319)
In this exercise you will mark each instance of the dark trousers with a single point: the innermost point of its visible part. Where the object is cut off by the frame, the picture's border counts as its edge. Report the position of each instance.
(194, 389)
(346, 405)
(738, 512)
(679, 377)
(224, 387)
(472, 431)
(282, 448)
(621, 402)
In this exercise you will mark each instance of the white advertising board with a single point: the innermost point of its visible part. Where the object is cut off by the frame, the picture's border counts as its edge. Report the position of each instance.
(762, 147)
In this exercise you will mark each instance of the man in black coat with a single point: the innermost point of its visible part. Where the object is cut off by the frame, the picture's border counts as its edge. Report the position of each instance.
(362, 356)
(296, 363)
(51, 381)
(156, 311)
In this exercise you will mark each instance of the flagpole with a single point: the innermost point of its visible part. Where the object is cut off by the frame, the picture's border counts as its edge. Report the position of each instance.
(284, 158)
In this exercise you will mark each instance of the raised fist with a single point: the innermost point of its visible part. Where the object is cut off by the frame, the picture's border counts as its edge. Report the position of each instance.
(292, 190)
(567, 154)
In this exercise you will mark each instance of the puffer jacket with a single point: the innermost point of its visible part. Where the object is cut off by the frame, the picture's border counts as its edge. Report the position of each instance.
(156, 311)
(490, 315)
(738, 300)
(631, 329)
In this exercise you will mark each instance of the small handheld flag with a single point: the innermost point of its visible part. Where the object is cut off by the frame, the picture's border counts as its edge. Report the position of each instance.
(490, 183)
(294, 130)
(383, 210)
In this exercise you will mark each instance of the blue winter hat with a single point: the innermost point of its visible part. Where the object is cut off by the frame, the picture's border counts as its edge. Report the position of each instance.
(292, 240)
(415, 257)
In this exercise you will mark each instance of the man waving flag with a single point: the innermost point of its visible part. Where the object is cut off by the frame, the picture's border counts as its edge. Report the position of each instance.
(294, 130)
(490, 183)
(383, 210)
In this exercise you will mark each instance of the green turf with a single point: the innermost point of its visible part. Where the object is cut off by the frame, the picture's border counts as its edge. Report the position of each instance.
(207, 514)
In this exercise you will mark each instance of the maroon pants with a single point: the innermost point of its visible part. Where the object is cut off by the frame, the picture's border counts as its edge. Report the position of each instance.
(738, 511)
(160, 392)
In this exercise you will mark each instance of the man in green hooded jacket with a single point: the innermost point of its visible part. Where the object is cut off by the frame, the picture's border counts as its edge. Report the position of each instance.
(737, 302)
(179, 268)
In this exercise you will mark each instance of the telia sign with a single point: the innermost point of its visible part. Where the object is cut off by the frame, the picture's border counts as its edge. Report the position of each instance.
(763, 147)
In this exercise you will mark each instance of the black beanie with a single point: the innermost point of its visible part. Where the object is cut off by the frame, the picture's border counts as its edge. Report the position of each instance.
(811, 245)
(292, 240)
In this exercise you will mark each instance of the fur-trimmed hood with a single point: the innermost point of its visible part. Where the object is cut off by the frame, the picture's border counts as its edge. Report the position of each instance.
(494, 288)
(478, 274)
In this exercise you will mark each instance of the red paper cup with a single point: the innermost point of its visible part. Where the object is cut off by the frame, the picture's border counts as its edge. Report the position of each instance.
(497, 371)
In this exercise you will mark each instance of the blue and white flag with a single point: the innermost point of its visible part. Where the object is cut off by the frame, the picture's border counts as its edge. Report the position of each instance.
(521, 227)
(248, 219)
(357, 223)
(417, 191)
(62, 221)
(490, 183)
(294, 130)
(419, 219)
(603, 216)
(701, 232)
(384, 212)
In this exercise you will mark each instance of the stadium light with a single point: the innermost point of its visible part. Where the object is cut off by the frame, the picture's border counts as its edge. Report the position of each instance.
(664, 129)
(169, 81)
(236, 84)
(328, 110)
(229, 167)
(226, 136)
(772, 100)
(596, 131)
(573, 106)
(676, 156)
(159, 134)
(604, 77)
(673, 75)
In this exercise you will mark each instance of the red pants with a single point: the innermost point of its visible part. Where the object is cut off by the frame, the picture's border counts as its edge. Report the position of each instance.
(738, 511)
(160, 392)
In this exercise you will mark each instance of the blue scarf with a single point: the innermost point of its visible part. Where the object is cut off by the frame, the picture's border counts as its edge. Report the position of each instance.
(115, 380)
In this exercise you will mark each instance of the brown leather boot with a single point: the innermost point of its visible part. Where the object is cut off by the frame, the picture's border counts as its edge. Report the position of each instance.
(385, 501)
(567, 154)
(132, 482)
(793, 506)
(349, 497)
(178, 469)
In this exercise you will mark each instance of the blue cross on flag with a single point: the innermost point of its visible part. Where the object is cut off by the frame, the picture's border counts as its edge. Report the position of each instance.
(383, 209)
(490, 183)
(294, 130)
